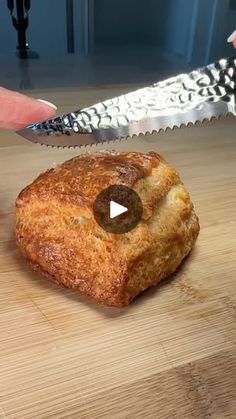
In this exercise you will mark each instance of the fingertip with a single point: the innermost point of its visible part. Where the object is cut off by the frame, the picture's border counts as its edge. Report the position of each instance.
(18, 110)
(51, 105)
(232, 37)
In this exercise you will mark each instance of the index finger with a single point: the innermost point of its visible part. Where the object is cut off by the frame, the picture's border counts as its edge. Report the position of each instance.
(18, 110)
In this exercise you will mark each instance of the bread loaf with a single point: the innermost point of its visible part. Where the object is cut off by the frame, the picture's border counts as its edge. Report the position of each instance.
(59, 236)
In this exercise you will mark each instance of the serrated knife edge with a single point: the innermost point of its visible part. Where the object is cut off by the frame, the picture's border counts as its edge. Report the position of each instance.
(187, 98)
(99, 137)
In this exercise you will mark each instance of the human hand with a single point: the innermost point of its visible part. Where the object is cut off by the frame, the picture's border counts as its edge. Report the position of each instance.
(18, 110)
(232, 38)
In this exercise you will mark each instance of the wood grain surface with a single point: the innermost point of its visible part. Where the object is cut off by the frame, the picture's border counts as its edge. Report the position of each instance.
(171, 353)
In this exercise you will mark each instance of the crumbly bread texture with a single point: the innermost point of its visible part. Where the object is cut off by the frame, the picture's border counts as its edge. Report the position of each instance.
(59, 237)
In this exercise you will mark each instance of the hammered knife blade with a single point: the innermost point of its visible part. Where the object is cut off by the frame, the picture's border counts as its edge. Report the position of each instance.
(202, 94)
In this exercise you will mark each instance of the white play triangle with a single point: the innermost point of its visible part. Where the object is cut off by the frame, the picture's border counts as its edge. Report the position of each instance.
(116, 209)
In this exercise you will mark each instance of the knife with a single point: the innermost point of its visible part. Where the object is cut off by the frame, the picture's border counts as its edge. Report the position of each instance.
(200, 95)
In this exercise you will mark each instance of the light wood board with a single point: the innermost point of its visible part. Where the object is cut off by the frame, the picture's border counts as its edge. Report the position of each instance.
(171, 353)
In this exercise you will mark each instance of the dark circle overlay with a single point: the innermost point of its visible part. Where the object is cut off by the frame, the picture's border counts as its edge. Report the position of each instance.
(122, 195)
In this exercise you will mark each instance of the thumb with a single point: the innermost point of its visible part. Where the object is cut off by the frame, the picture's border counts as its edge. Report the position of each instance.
(18, 110)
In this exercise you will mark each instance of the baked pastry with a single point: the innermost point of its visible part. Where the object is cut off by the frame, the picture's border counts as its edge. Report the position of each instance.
(58, 235)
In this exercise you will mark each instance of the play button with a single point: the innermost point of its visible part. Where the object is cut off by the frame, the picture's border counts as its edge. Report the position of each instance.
(118, 209)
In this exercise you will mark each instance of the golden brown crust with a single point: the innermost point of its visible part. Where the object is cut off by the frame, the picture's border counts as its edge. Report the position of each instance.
(58, 235)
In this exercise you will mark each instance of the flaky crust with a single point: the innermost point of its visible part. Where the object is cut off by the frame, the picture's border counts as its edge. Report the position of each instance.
(58, 235)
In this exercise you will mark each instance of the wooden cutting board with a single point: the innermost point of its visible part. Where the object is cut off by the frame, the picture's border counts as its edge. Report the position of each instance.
(171, 353)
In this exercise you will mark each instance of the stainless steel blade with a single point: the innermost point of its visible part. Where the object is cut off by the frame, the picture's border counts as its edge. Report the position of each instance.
(202, 94)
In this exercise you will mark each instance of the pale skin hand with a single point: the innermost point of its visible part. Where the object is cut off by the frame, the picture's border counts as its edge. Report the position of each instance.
(232, 38)
(18, 110)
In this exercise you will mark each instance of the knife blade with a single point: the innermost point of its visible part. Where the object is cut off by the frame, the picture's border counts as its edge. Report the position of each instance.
(200, 95)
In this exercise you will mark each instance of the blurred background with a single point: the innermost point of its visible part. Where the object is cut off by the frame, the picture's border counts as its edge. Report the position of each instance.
(94, 42)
